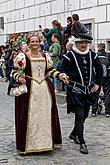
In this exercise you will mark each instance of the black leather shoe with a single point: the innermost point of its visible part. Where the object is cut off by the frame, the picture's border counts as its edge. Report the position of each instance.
(107, 115)
(83, 149)
(74, 139)
(8, 93)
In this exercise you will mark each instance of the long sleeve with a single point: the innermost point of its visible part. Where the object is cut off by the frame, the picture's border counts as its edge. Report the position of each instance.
(48, 34)
(64, 63)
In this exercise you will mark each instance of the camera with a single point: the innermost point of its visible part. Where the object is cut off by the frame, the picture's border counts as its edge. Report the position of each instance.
(40, 26)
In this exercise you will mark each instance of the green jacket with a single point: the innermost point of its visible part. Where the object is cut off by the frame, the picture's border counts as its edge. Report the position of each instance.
(55, 52)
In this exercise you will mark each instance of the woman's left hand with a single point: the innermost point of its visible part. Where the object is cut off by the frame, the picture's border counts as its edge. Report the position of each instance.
(64, 78)
(22, 80)
(95, 88)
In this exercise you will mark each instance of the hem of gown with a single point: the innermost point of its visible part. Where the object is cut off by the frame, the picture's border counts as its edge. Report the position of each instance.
(33, 151)
(58, 144)
(38, 150)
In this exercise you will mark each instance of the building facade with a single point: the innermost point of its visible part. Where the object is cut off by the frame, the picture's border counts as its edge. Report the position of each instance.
(26, 15)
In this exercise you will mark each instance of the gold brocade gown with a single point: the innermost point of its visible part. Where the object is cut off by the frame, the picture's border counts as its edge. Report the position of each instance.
(39, 135)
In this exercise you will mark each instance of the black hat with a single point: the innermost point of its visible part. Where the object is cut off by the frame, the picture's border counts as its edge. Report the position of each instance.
(83, 37)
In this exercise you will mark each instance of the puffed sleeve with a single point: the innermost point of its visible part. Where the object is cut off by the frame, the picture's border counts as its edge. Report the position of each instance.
(19, 66)
(50, 71)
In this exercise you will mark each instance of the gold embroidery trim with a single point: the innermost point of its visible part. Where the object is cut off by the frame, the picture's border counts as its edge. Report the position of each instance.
(39, 82)
(37, 60)
(38, 150)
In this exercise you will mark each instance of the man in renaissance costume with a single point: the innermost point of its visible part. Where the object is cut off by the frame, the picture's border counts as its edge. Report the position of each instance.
(85, 76)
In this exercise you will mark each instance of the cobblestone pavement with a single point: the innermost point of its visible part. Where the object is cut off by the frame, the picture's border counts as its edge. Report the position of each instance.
(97, 138)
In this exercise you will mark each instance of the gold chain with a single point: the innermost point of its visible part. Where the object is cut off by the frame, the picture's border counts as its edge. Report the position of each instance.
(37, 55)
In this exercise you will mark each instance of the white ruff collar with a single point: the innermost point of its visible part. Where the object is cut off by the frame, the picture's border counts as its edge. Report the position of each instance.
(79, 52)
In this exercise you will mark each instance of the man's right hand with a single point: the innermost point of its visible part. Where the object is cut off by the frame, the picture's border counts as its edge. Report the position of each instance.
(64, 78)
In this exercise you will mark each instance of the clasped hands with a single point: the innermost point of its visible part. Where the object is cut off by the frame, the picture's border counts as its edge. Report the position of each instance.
(64, 78)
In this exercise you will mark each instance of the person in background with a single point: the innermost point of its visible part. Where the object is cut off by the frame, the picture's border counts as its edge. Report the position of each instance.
(1, 68)
(11, 65)
(106, 77)
(57, 28)
(55, 52)
(77, 26)
(85, 76)
(8, 53)
(55, 49)
(104, 58)
(67, 32)
(3, 62)
(43, 44)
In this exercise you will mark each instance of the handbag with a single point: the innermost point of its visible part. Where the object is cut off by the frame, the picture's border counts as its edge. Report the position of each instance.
(19, 90)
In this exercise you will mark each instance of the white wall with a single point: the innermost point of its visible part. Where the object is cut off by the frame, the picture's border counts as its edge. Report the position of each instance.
(104, 2)
(88, 3)
(104, 30)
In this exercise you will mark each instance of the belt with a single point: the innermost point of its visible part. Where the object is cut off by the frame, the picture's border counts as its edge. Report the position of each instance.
(79, 88)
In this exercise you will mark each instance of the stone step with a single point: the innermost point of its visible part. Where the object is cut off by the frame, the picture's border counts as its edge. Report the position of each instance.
(61, 97)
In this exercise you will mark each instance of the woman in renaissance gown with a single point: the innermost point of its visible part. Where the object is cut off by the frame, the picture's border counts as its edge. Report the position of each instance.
(36, 115)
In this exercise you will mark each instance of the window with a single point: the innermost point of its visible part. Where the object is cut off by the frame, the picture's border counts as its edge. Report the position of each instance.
(89, 27)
